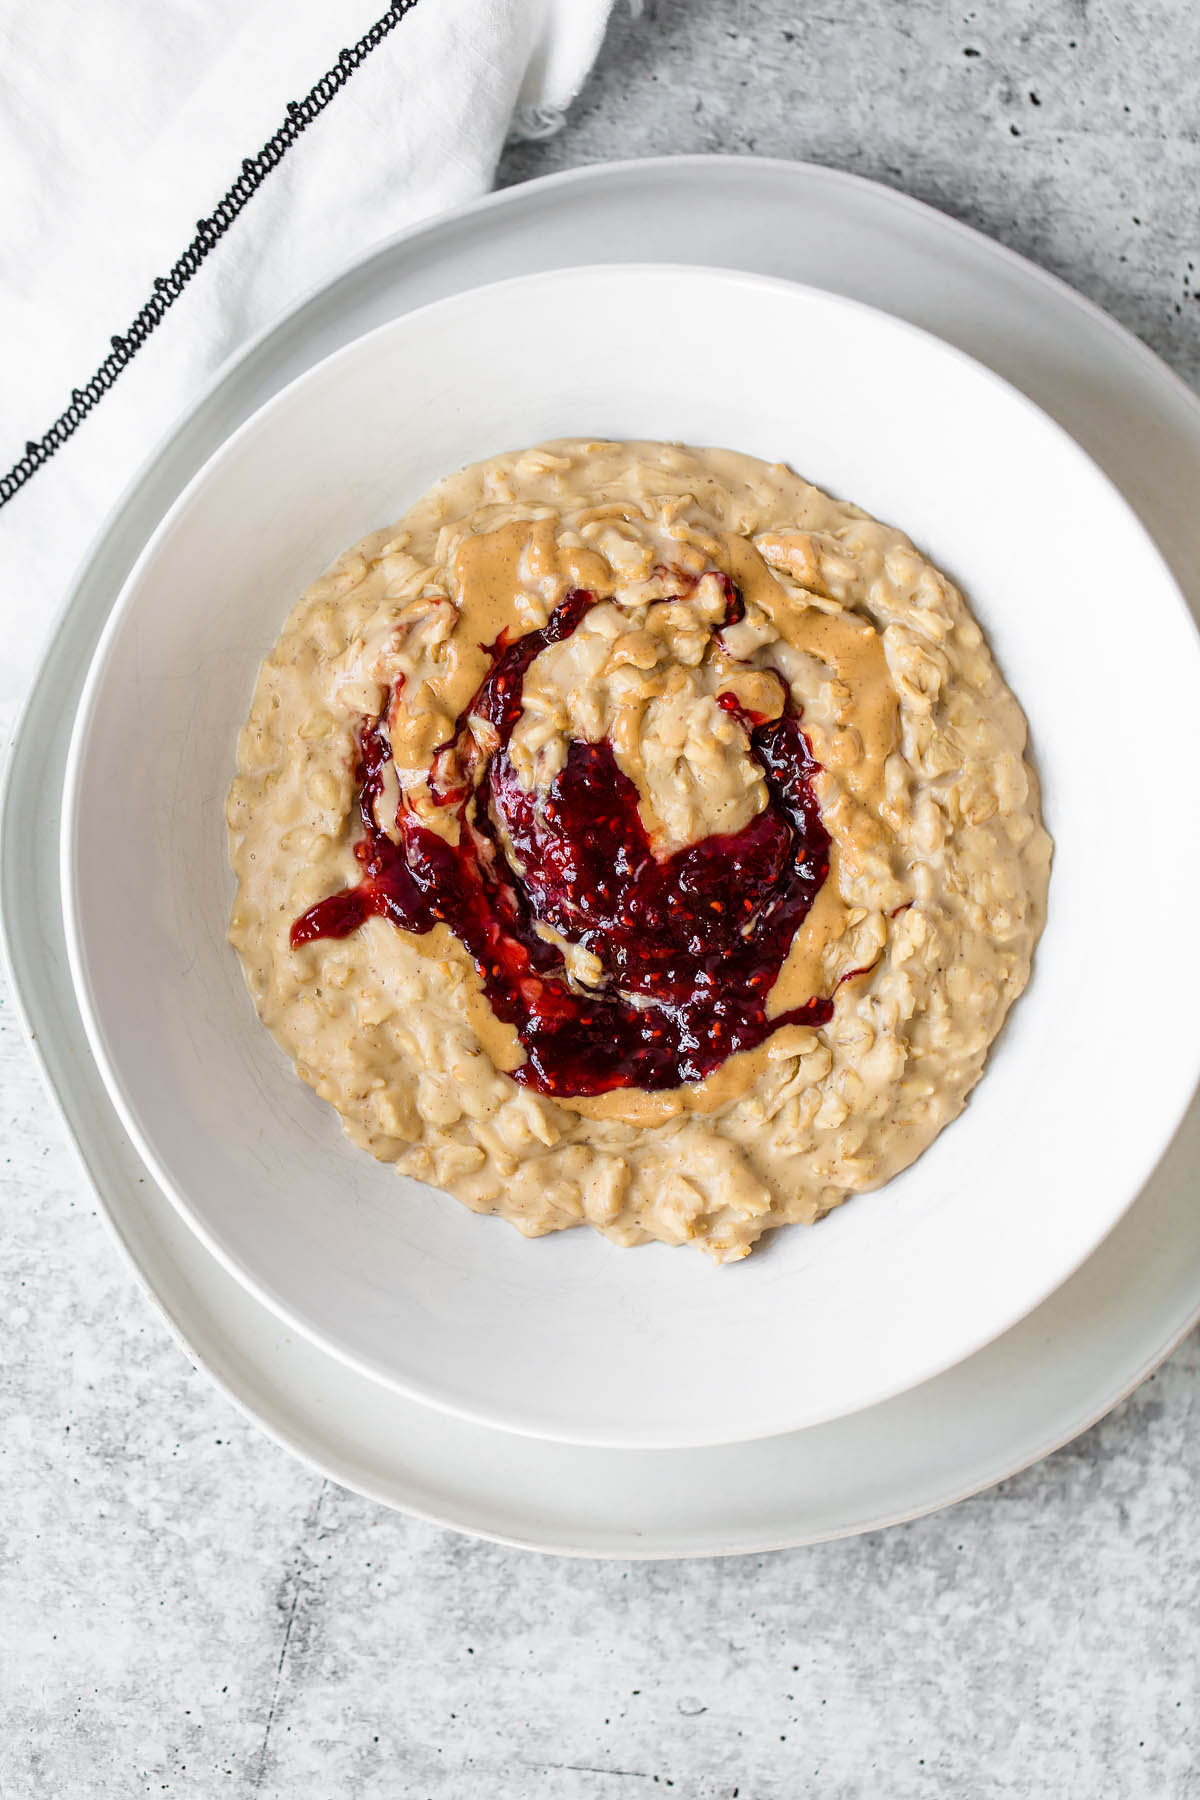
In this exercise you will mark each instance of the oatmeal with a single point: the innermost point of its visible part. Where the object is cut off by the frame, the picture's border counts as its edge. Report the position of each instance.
(635, 836)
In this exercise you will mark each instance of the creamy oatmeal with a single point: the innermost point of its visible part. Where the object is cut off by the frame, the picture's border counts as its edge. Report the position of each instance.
(636, 836)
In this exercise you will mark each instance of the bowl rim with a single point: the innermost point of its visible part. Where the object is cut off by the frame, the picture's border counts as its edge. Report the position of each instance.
(1181, 1091)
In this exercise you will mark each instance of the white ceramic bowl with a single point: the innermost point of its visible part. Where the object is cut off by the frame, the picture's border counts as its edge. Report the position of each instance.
(568, 1337)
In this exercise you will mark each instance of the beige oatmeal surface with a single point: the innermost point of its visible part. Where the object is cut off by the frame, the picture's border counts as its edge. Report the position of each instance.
(938, 862)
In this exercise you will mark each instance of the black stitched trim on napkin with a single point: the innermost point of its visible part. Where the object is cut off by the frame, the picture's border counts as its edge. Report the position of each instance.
(167, 288)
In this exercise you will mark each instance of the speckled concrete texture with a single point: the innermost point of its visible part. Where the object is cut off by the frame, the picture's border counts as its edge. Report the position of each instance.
(187, 1611)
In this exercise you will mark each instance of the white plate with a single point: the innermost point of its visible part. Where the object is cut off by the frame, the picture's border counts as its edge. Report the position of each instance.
(1030, 1391)
(651, 1349)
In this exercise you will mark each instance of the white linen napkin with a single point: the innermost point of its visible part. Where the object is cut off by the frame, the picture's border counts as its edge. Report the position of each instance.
(122, 125)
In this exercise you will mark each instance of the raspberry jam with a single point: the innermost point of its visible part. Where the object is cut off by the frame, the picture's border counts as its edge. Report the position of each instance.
(690, 945)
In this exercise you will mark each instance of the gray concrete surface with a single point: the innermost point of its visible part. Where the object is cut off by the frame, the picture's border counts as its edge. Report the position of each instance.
(184, 1610)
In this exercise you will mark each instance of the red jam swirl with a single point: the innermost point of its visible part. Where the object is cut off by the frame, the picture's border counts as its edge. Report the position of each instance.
(690, 945)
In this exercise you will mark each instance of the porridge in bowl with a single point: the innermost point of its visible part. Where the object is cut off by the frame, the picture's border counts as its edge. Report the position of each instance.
(635, 836)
